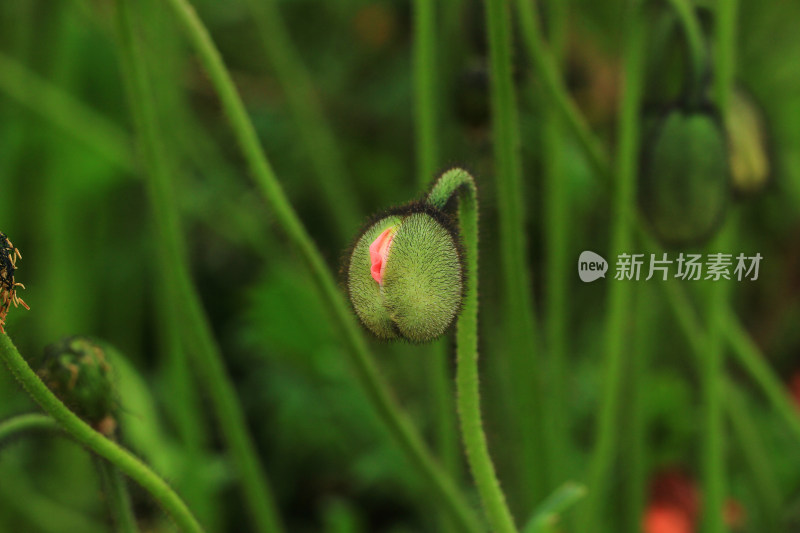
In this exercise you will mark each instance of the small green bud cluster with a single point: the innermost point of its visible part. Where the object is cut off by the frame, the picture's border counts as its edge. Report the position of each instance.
(405, 274)
(77, 371)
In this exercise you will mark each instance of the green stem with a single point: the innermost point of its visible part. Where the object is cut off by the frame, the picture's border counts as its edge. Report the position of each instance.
(546, 516)
(424, 62)
(636, 459)
(469, 410)
(756, 455)
(316, 133)
(65, 112)
(84, 434)
(712, 367)
(714, 490)
(21, 424)
(374, 386)
(257, 493)
(557, 216)
(119, 499)
(620, 292)
(751, 358)
(519, 316)
(546, 66)
(696, 47)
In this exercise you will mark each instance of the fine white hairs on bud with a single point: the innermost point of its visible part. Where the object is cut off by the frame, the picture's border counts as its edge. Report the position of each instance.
(405, 275)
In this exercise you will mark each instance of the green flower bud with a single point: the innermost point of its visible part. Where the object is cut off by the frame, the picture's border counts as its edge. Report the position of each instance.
(405, 276)
(684, 179)
(77, 372)
(747, 137)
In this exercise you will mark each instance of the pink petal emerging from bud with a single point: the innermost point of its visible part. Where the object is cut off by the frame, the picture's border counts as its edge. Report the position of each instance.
(379, 251)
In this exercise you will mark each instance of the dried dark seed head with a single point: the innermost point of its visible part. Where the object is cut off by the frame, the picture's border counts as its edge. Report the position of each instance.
(8, 285)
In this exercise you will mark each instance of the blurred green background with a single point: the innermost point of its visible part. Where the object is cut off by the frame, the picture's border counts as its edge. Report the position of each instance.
(72, 199)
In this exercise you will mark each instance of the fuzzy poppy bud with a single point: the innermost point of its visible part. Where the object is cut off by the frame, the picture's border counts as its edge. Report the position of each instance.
(77, 371)
(405, 276)
(684, 179)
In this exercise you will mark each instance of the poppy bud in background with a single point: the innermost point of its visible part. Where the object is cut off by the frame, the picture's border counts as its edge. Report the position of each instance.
(684, 183)
(77, 372)
(747, 137)
(405, 275)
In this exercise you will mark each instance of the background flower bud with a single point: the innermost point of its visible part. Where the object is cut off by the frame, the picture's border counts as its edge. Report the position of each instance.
(747, 137)
(76, 370)
(421, 286)
(684, 182)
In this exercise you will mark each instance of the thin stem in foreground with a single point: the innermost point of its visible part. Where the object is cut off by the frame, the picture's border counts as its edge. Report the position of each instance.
(84, 434)
(256, 490)
(459, 182)
(19, 425)
(376, 389)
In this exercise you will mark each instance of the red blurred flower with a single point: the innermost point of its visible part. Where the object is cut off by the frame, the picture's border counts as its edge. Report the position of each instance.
(666, 519)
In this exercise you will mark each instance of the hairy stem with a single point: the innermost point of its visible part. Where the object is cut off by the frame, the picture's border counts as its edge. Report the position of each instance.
(459, 182)
(84, 434)
(378, 392)
(257, 493)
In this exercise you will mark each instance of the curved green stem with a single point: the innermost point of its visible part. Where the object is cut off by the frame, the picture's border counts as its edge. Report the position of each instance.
(117, 493)
(620, 292)
(458, 181)
(378, 392)
(522, 347)
(84, 434)
(21, 424)
(546, 516)
(697, 48)
(198, 334)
